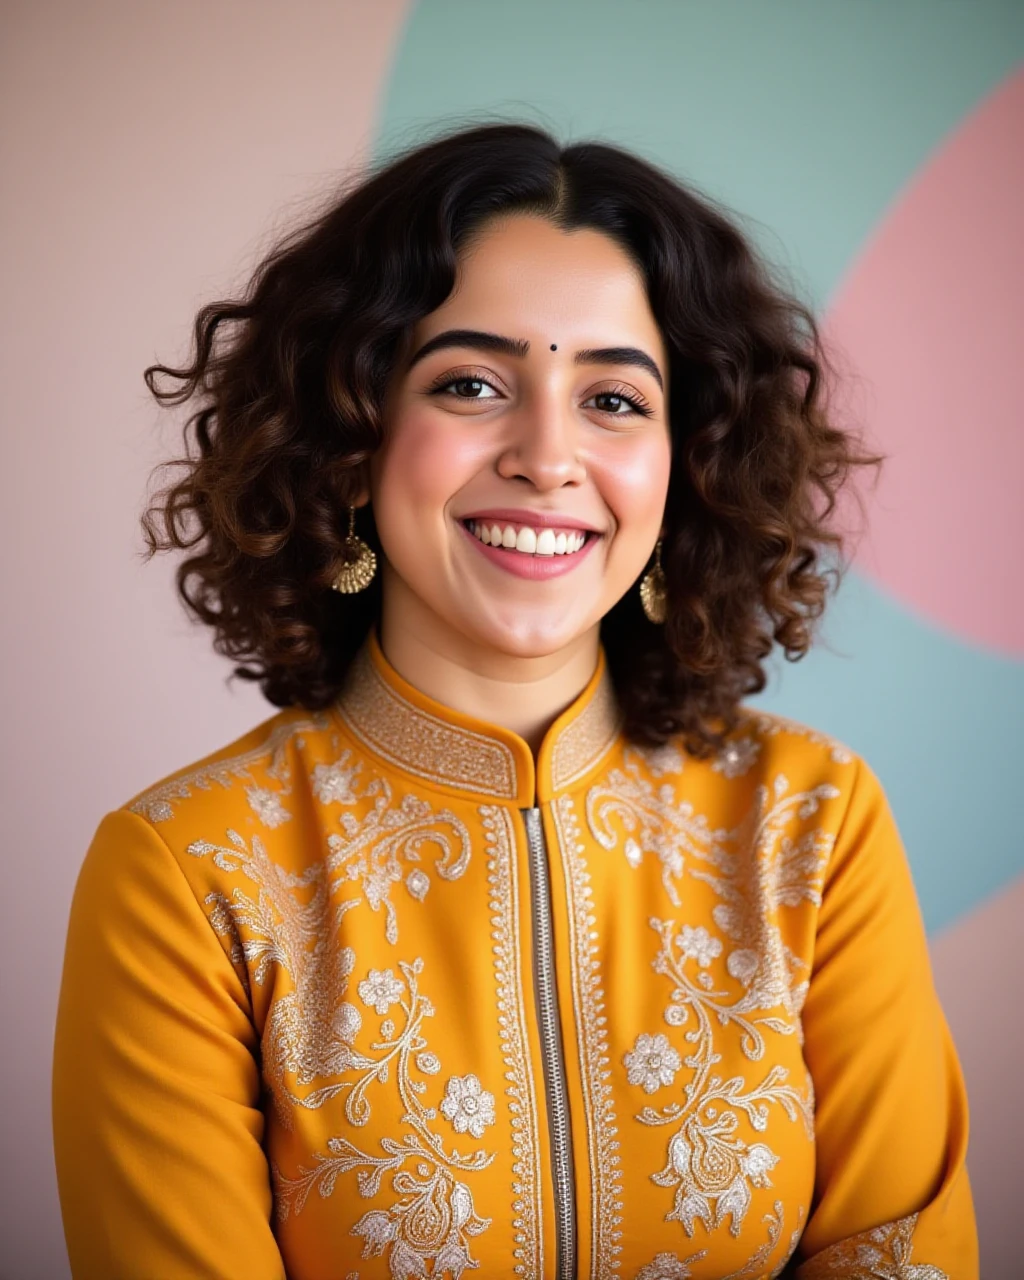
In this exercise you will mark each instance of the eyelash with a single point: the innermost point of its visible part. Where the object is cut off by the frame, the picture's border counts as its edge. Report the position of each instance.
(633, 399)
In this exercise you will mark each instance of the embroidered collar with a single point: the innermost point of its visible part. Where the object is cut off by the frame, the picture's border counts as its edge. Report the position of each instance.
(447, 748)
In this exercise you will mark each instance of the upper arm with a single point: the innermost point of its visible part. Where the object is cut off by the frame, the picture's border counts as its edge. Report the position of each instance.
(891, 1119)
(156, 1084)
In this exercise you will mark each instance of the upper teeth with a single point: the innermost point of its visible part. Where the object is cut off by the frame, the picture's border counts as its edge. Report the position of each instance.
(539, 542)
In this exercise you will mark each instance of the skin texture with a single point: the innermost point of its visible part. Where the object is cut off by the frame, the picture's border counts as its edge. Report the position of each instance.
(534, 431)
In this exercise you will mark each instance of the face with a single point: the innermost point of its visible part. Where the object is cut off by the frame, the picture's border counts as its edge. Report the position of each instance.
(520, 487)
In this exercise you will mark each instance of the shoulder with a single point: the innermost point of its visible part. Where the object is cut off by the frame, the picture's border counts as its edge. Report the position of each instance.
(767, 767)
(248, 782)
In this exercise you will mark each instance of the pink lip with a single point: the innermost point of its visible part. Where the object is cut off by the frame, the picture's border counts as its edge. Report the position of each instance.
(535, 519)
(524, 566)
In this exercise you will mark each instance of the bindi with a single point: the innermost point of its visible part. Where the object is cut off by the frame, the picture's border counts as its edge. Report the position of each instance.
(554, 346)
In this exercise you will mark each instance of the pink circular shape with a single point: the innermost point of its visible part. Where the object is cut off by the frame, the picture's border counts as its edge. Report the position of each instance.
(930, 321)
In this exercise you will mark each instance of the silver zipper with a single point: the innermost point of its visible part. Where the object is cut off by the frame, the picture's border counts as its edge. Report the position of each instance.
(553, 1053)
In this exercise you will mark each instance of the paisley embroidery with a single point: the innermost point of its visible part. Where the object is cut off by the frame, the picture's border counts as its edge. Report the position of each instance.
(883, 1253)
(434, 1217)
(374, 847)
(710, 1167)
(655, 820)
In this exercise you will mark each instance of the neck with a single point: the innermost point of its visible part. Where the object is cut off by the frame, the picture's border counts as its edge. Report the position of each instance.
(523, 694)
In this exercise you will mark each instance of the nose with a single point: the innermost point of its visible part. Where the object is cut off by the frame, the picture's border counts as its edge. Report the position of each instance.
(543, 444)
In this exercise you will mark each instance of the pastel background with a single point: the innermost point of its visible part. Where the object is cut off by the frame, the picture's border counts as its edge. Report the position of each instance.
(149, 154)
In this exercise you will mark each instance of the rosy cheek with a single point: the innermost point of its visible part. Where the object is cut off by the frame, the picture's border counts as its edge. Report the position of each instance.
(635, 479)
(428, 457)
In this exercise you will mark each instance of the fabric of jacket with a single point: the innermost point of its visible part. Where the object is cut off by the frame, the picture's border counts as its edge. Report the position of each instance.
(371, 993)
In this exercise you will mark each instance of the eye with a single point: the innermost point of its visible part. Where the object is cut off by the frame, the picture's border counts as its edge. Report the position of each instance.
(464, 386)
(621, 402)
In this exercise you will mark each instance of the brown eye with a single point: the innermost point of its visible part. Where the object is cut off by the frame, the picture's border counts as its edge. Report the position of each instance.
(617, 404)
(464, 388)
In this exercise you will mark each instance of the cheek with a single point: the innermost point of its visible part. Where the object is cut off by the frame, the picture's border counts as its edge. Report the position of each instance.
(635, 481)
(422, 463)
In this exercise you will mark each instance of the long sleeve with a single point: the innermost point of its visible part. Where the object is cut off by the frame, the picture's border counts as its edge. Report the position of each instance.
(157, 1123)
(892, 1197)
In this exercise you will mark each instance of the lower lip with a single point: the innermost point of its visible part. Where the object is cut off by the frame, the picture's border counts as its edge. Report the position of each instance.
(527, 566)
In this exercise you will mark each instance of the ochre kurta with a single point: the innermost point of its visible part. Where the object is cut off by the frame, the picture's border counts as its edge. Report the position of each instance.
(369, 994)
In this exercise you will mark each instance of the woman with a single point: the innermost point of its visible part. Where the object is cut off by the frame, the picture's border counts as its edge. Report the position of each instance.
(513, 941)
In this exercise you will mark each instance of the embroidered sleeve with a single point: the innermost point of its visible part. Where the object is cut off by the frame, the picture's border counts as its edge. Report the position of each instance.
(156, 1114)
(892, 1199)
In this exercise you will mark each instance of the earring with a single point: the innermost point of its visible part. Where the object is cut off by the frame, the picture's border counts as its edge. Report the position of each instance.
(653, 595)
(360, 561)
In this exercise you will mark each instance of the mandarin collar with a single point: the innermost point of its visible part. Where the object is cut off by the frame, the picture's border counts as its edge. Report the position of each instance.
(446, 748)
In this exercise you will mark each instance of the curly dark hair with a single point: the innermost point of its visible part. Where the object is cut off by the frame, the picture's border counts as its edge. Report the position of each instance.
(288, 385)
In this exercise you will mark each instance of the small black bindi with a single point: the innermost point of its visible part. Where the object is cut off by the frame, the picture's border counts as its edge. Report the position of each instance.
(554, 346)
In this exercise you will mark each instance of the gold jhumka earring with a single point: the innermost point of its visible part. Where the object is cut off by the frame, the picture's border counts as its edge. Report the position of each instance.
(652, 588)
(360, 561)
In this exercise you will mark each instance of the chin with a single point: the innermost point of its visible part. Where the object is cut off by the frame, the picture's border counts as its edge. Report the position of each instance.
(526, 638)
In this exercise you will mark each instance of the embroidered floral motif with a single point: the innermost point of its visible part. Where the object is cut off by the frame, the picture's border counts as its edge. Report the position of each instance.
(335, 783)
(380, 990)
(666, 1266)
(652, 1062)
(267, 806)
(883, 1253)
(290, 925)
(373, 848)
(157, 803)
(736, 758)
(502, 877)
(469, 1107)
(433, 1218)
(655, 820)
(698, 944)
(588, 998)
(710, 1166)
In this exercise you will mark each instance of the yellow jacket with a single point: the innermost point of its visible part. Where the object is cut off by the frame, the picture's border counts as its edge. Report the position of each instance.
(367, 994)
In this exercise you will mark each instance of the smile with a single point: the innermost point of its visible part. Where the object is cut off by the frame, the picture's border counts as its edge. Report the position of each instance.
(526, 552)
(528, 541)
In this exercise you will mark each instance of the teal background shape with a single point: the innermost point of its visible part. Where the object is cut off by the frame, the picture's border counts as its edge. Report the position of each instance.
(806, 119)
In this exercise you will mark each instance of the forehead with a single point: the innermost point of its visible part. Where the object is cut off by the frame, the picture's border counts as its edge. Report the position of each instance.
(524, 277)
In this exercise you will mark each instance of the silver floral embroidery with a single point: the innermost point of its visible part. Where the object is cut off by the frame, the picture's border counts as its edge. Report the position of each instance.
(666, 1266)
(652, 1062)
(468, 1106)
(433, 1218)
(654, 820)
(882, 1253)
(380, 990)
(335, 783)
(267, 806)
(373, 848)
(698, 944)
(157, 803)
(736, 758)
(710, 1167)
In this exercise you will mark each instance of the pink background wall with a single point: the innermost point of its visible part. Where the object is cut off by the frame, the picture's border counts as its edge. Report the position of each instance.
(149, 153)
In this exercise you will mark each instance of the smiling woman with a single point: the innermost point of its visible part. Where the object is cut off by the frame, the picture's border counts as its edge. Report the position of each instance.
(503, 480)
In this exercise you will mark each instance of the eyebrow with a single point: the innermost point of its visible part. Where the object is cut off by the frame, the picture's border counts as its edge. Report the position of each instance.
(518, 348)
